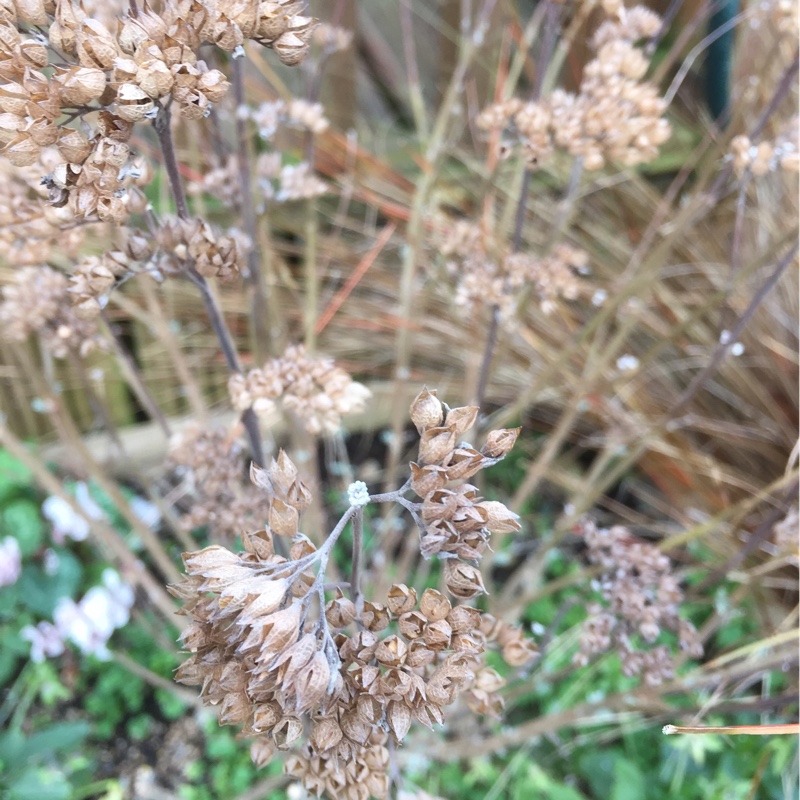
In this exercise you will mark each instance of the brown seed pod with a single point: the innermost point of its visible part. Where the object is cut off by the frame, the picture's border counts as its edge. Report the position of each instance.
(463, 580)
(401, 599)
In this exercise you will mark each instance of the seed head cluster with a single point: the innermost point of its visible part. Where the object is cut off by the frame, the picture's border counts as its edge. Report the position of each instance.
(214, 489)
(304, 668)
(640, 597)
(58, 61)
(487, 277)
(766, 156)
(312, 388)
(616, 116)
(38, 301)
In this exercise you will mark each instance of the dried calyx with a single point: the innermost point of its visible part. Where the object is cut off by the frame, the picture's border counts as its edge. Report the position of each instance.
(296, 663)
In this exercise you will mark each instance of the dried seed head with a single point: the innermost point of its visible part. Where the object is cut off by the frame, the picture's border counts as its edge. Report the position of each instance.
(464, 619)
(425, 480)
(426, 411)
(434, 605)
(462, 580)
(340, 612)
(437, 634)
(133, 103)
(412, 624)
(262, 751)
(325, 734)
(81, 85)
(499, 443)
(461, 419)
(375, 617)
(401, 599)
(391, 652)
(436, 444)
(283, 519)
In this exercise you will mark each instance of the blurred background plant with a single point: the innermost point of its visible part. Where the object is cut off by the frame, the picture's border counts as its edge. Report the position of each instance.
(527, 205)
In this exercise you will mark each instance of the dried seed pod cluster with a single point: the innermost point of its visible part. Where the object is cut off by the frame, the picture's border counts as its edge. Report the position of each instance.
(487, 276)
(616, 116)
(640, 597)
(312, 388)
(31, 230)
(210, 464)
(455, 522)
(125, 73)
(194, 242)
(92, 280)
(336, 676)
(38, 301)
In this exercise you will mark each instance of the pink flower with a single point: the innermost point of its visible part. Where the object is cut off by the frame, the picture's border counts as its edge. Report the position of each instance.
(10, 561)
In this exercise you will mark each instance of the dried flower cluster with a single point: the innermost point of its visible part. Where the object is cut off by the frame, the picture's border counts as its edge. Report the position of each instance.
(766, 156)
(295, 113)
(616, 116)
(31, 230)
(193, 242)
(125, 74)
(276, 181)
(216, 492)
(312, 388)
(331, 38)
(93, 279)
(486, 277)
(640, 598)
(338, 676)
(38, 301)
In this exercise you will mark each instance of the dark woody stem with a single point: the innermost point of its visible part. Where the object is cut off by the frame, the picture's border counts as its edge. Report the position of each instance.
(164, 132)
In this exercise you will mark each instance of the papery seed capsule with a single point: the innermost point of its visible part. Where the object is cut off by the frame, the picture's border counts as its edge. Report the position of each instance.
(462, 418)
(426, 411)
(434, 605)
(500, 442)
(262, 751)
(401, 599)
(133, 103)
(436, 444)
(463, 580)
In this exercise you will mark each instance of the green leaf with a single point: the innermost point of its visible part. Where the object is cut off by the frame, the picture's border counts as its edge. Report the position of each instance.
(629, 782)
(40, 592)
(40, 784)
(61, 736)
(22, 520)
(14, 475)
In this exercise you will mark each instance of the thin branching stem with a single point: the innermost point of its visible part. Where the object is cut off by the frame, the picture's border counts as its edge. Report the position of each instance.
(355, 574)
(134, 377)
(255, 276)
